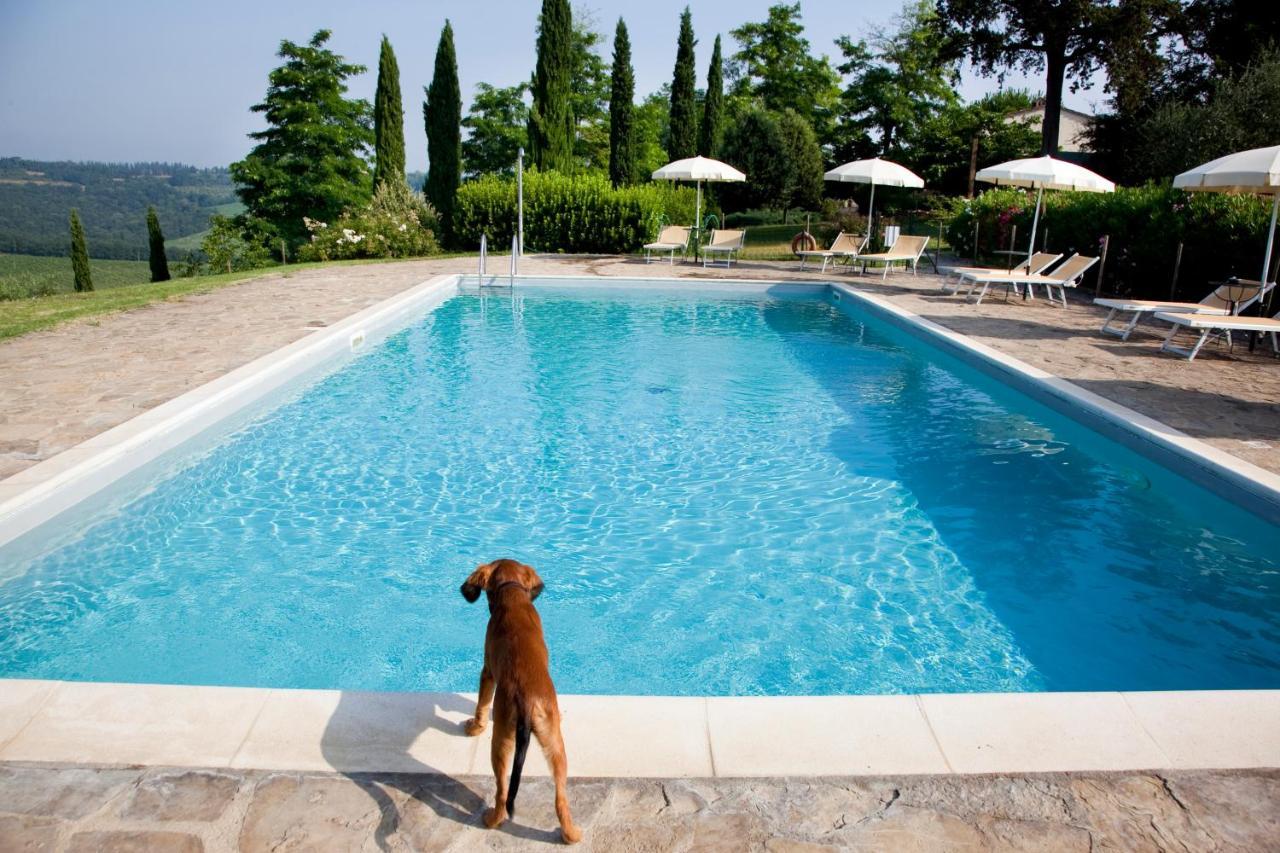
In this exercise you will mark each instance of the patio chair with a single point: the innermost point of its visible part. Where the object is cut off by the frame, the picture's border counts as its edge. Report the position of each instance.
(1068, 274)
(1215, 303)
(726, 242)
(1209, 324)
(671, 239)
(905, 250)
(845, 246)
(1036, 265)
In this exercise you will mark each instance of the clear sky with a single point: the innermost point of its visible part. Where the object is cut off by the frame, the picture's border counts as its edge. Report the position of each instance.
(131, 80)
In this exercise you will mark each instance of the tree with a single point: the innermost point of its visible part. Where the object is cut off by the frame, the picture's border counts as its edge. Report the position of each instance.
(898, 82)
(683, 140)
(496, 130)
(551, 124)
(709, 131)
(79, 255)
(591, 89)
(652, 129)
(442, 113)
(947, 148)
(388, 120)
(774, 65)
(1068, 39)
(309, 161)
(226, 247)
(159, 263)
(802, 186)
(753, 142)
(622, 131)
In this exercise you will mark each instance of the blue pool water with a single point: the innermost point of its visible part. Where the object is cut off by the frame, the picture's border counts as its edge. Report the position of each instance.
(747, 495)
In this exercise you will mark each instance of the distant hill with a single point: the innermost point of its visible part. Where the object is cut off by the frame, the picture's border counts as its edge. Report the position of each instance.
(36, 198)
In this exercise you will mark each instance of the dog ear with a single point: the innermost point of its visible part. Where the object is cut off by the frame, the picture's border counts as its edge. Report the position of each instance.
(533, 583)
(475, 584)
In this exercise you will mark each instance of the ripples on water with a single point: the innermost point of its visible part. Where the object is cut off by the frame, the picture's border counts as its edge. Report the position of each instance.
(733, 496)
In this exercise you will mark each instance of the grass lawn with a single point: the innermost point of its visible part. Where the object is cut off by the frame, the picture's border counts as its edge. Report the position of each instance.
(23, 276)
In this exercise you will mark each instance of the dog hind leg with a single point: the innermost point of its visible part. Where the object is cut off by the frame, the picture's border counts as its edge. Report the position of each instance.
(553, 747)
(504, 741)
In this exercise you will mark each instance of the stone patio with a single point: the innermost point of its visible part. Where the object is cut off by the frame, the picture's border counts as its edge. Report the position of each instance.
(159, 809)
(62, 386)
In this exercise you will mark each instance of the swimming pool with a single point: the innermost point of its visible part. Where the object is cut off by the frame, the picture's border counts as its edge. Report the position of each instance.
(726, 494)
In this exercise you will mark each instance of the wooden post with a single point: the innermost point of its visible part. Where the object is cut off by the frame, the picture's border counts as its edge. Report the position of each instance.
(1102, 264)
(284, 255)
(1177, 267)
(975, 241)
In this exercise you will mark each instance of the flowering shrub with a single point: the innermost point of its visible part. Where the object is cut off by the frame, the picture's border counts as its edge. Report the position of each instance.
(398, 223)
(1222, 235)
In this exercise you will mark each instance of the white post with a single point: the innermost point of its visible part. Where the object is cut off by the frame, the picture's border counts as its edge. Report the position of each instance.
(520, 197)
(515, 258)
(1035, 222)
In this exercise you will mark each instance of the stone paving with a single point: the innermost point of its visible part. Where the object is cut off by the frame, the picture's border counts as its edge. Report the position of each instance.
(159, 809)
(62, 386)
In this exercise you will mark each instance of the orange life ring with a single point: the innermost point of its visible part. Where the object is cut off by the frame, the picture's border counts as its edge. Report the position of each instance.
(803, 242)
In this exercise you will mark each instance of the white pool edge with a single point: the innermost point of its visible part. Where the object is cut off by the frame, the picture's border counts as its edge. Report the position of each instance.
(262, 728)
(100, 724)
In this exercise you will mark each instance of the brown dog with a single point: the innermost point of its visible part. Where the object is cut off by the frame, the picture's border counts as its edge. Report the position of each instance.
(516, 680)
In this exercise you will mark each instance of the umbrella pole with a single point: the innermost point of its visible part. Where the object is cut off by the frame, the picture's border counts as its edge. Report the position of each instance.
(871, 209)
(697, 224)
(1271, 241)
(1035, 222)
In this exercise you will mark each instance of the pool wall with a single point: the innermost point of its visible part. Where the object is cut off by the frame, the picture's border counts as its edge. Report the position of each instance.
(114, 724)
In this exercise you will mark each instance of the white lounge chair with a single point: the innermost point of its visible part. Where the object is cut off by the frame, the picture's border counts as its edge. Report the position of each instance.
(845, 246)
(905, 250)
(1067, 274)
(671, 239)
(1208, 324)
(1215, 303)
(723, 242)
(1034, 265)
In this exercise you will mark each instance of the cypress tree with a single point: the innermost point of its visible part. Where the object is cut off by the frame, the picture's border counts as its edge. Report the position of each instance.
(442, 112)
(622, 131)
(712, 106)
(551, 125)
(388, 120)
(79, 255)
(684, 118)
(159, 263)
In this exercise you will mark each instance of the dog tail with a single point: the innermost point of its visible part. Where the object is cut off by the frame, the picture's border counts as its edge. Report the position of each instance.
(523, 730)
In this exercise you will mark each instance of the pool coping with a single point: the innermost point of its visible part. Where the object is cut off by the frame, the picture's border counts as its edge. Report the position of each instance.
(265, 728)
(103, 724)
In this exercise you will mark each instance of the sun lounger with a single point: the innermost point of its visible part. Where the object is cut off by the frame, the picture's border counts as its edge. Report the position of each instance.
(1068, 274)
(723, 242)
(1207, 325)
(671, 239)
(905, 250)
(1035, 265)
(1215, 303)
(845, 246)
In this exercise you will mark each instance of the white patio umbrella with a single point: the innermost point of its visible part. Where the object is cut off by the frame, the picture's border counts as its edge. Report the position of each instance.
(698, 169)
(874, 171)
(1044, 173)
(1255, 171)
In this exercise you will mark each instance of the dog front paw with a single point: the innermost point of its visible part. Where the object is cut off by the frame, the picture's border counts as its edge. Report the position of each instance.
(570, 834)
(493, 818)
(473, 727)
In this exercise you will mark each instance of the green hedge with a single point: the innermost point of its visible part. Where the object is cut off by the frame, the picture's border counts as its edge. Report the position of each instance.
(568, 213)
(1222, 235)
